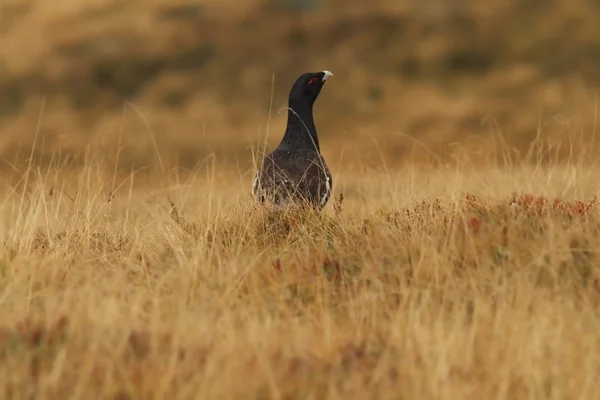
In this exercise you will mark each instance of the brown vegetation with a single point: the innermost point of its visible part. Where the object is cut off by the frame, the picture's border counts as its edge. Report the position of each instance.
(456, 259)
(209, 77)
(432, 283)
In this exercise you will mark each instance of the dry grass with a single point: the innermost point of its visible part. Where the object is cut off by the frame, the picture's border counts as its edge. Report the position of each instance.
(428, 282)
(206, 74)
(407, 289)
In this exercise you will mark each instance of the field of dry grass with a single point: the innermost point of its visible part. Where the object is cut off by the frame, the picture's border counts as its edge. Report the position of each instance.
(443, 282)
(457, 259)
(207, 74)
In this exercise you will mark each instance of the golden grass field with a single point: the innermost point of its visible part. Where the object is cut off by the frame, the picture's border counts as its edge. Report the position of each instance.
(206, 75)
(457, 258)
(440, 282)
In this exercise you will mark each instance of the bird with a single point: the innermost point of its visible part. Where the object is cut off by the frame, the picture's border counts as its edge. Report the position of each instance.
(295, 172)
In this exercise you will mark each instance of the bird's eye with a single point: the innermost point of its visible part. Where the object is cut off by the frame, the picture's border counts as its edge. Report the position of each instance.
(313, 80)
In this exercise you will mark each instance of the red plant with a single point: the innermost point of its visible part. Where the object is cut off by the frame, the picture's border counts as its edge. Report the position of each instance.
(536, 206)
(474, 224)
(541, 205)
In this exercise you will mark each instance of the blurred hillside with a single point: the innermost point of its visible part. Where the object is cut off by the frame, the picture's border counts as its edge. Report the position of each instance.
(412, 77)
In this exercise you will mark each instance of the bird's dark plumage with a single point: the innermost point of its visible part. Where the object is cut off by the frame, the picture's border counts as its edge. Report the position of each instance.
(295, 171)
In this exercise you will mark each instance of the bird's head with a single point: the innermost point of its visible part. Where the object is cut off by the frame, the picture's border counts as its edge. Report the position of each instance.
(308, 86)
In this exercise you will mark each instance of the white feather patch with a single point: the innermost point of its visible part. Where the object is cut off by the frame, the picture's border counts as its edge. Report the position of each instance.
(327, 191)
(255, 186)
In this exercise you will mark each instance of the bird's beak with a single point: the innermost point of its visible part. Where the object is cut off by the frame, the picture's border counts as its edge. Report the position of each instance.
(327, 75)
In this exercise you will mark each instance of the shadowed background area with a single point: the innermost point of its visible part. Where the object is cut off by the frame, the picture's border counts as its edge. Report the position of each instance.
(414, 79)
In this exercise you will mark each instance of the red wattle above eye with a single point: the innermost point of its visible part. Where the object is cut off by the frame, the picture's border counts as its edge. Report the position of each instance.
(313, 80)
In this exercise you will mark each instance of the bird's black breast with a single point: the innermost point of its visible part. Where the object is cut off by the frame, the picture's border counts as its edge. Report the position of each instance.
(291, 175)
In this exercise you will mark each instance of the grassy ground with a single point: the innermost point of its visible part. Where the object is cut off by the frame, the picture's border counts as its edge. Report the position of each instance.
(443, 268)
(429, 283)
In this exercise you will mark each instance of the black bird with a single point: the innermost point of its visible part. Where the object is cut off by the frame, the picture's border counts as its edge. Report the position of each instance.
(295, 172)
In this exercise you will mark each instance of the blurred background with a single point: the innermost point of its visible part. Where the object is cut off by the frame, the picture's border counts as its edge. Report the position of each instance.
(414, 79)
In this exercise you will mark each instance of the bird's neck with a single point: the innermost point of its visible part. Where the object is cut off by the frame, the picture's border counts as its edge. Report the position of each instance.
(300, 133)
